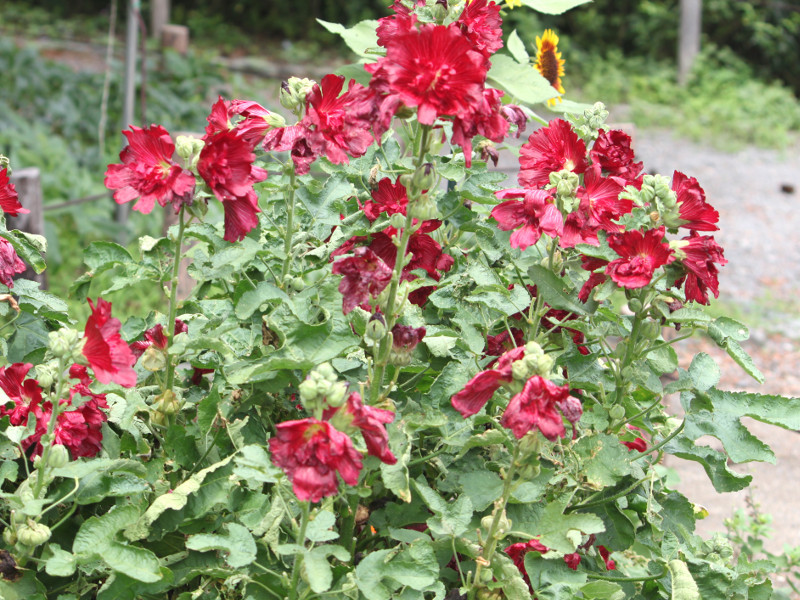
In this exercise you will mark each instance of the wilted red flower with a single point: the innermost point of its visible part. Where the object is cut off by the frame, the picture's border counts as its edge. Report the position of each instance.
(549, 150)
(700, 253)
(535, 407)
(9, 199)
(640, 255)
(517, 554)
(482, 387)
(339, 125)
(148, 172)
(613, 153)
(390, 198)
(370, 421)
(311, 452)
(481, 24)
(433, 68)
(573, 560)
(405, 338)
(365, 275)
(486, 119)
(515, 116)
(10, 263)
(694, 210)
(155, 337)
(226, 165)
(502, 342)
(605, 555)
(109, 356)
(536, 214)
(254, 125)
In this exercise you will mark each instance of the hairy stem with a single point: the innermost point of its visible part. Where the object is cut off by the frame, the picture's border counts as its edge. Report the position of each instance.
(169, 329)
(287, 238)
(298, 559)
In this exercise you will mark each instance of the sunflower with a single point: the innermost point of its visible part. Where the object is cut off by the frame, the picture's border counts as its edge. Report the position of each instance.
(549, 62)
(513, 3)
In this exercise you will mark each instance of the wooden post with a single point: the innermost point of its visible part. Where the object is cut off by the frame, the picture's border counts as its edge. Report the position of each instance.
(175, 37)
(159, 16)
(28, 183)
(689, 37)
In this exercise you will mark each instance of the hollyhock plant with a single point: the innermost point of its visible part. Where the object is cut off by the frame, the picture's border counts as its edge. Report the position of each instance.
(311, 452)
(517, 554)
(503, 341)
(613, 153)
(695, 213)
(80, 429)
(487, 120)
(549, 150)
(365, 276)
(535, 408)
(481, 387)
(107, 353)
(10, 263)
(433, 68)
(640, 255)
(535, 214)
(699, 256)
(148, 172)
(9, 199)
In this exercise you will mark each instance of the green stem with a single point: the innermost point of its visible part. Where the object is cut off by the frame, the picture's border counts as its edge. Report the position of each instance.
(298, 559)
(169, 329)
(613, 578)
(662, 443)
(55, 402)
(632, 339)
(492, 538)
(63, 499)
(349, 525)
(642, 412)
(287, 238)
(608, 499)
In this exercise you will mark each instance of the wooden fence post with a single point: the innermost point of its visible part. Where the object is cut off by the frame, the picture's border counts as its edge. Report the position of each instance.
(159, 16)
(689, 37)
(28, 183)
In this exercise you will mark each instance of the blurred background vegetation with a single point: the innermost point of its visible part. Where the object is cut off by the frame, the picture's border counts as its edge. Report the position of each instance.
(743, 88)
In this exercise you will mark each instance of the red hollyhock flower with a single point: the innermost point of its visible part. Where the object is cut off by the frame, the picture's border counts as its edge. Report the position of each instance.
(613, 153)
(701, 253)
(536, 214)
(311, 452)
(10, 263)
(692, 205)
(591, 264)
(517, 554)
(9, 199)
(405, 338)
(640, 255)
(549, 150)
(481, 24)
(599, 199)
(365, 275)
(637, 443)
(371, 422)
(148, 172)
(109, 356)
(486, 119)
(254, 125)
(80, 430)
(433, 68)
(502, 342)
(155, 337)
(515, 116)
(220, 117)
(573, 560)
(553, 321)
(226, 165)
(482, 387)
(27, 397)
(397, 24)
(390, 198)
(535, 407)
(339, 125)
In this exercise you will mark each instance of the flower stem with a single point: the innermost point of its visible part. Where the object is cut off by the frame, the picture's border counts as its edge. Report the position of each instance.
(298, 560)
(169, 330)
(287, 239)
(60, 391)
(349, 525)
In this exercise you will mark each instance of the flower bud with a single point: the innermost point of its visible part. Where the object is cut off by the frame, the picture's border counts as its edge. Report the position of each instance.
(635, 305)
(617, 412)
(33, 533)
(188, 148)
(424, 208)
(308, 390)
(64, 343)
(336, 394)
(9, 536)
(58, 457)
(520, 370)
(376, 328)
(397, 220)
(294, 91)
(275, 120)
(298, 285)
(167, 403)
(46, 375)
(422, 180)
(327, 372)
(154, 359)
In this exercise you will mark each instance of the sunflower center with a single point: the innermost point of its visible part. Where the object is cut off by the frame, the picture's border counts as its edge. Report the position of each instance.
(548, 65)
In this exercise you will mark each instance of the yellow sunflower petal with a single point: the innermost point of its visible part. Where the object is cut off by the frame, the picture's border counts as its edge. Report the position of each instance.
(549, 62)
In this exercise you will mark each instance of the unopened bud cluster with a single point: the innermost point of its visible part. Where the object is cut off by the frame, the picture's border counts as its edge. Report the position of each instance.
(294, 92)
(565, 183)
(322, 388)
(188, 148)
(535, 362)
(66, 343)
(589, 123)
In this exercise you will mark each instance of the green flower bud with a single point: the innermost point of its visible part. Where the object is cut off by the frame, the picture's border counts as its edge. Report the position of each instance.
(64, 343)
(422, 180)
(167, 403)
(58, 457)
(275, 120)
(308, 390)
(33, 534)
(154, 360)
(544, 366)
(617, 412)
(397, 220)
(533, 349)
(188, 148)
(294, 91)
(298, 285)
(424, 208)
(635, 305)
(9, 536)
(327, 371)
(376, 328)
(337, 394)
(46, 375)
(520, 370)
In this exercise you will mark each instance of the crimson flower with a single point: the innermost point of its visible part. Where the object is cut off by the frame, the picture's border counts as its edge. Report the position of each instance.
(536, 214)
(640, 255)
(254, 125)
(605, 555)
(10, 263)
(549, 150)
(148, 172)
(405, 338)
(365, 275)
(226, 165)
(535, 407)
(311, 452)
(109, 356)
(613, 153)
(517, 554)
(599, 198)
(591, 264)
(155, 337)
(27, 397)
(482, 387)
(433, 68)
(9, 199)
(371, 422)
(637, 443)
(503, 341)
(397, 24)
(390, 198)
(486, 119)
(221, 117)
(481, 24)
(701, 253)
(692, 206)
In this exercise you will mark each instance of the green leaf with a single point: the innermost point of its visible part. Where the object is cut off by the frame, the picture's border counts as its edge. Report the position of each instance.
(100, 256)
(554, 527)
(320, 527)
(605, 460)
(482, 487)
(554, 291)
(715, 464)
(238, 542)
(521, 80)
(440, 345)
(251, 301)
(553, 7)
(321, 206)
(505, 571)
(358, 38)
(318, 571)
(61, 563)
(683, 586)
(451, 518)
(704, 372)
(97, 533)
(517, 48)
(254, 464)
(29, 248)
(138, 563)
(602, 590)
(663, 360)
(742, 358)
(552, 579)
(383, 571)
(395, 477)
(725, 327)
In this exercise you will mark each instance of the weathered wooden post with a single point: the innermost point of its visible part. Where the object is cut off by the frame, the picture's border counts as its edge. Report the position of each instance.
(159, 16)
(689, 37)
(28, 183)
